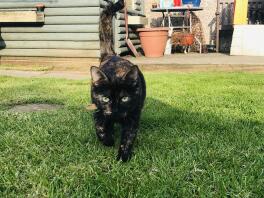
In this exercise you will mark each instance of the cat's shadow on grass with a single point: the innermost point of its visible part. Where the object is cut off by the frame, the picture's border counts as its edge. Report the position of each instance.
(163, 121)
(157, 114)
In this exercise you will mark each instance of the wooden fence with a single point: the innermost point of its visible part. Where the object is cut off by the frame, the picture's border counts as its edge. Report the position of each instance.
(256, 12)
(227, 8)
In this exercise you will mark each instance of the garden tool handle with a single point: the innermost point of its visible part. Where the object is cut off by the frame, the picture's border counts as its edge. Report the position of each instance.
(126, 19)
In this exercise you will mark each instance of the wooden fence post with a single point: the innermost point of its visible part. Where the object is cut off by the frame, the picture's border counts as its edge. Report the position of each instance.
(217, 14)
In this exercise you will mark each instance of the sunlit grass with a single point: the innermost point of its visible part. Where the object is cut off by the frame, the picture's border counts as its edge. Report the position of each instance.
(202, 135)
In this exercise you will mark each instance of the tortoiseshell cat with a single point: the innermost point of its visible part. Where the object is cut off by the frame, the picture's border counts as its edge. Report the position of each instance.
(118, 90)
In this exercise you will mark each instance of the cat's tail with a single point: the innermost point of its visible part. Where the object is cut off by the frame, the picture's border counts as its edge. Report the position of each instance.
(106, 30)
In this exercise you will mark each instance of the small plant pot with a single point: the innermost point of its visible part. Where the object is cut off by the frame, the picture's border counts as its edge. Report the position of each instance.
(153, 41)
(187, 39)
(154, 5)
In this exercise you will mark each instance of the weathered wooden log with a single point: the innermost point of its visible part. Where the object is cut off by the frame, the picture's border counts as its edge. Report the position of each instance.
(69, 20)
(125, 49)
(73, 11)
(50, 36)
(53, 29)
(124, 44)
(51, 53)
(50, 3)
(90, 45)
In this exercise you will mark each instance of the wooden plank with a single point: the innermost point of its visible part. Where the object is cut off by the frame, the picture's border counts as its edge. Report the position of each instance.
(138, 2)
(50, 45)
(54, 20)
(125, 49)
(58, 64)
(137, 7)
(130, 4)
(122, 30)
(241, 12)
(50, 3)
(50, 36)
(123, 36)
(124, 44)
(53, 29)
(134, 5)
(20, 17)
(74, 11)
(137, 20)
(120, 23)
(50, 53)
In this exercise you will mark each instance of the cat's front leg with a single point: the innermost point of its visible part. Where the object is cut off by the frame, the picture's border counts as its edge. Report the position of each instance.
(104, 130)
(128, 136)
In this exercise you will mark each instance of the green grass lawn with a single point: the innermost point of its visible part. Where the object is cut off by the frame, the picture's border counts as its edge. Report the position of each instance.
(201, 135)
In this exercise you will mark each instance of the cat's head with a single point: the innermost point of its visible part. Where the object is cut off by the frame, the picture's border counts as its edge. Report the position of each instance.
(115, 95)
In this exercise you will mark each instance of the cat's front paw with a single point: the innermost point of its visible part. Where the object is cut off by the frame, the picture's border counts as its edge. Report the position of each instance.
(105, 139)
(124, 154)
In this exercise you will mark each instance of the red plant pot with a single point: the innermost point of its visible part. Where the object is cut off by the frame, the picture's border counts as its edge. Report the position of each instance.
(187, 39)
(153, 41)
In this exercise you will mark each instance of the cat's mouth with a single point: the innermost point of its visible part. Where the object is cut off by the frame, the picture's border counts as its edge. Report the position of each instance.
(108, 113)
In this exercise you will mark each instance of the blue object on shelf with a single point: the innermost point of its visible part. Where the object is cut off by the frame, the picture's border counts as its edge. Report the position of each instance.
(195, 3)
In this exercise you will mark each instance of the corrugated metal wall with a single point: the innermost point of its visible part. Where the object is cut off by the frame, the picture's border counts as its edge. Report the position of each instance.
(70, 30)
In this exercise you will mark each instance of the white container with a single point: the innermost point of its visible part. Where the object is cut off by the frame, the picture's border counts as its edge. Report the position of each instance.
(166, 4)
(248, 40)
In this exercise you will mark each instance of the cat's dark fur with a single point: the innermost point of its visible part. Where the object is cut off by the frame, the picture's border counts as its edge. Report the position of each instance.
(118, 90)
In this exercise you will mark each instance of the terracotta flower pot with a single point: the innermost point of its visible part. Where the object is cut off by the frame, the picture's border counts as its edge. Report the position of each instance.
(153, 41)
(187, 39)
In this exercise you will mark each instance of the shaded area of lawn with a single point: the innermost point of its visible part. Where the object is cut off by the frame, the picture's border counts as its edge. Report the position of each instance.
(201, 135)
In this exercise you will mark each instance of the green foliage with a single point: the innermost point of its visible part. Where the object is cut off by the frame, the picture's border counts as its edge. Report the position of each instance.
(202, 135)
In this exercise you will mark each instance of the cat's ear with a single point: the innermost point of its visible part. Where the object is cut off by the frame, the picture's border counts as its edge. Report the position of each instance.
(97, 75)
(132, 74)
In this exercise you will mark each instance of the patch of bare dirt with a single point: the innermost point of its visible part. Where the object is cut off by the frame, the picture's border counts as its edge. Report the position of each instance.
(202, 68)
(28, 108)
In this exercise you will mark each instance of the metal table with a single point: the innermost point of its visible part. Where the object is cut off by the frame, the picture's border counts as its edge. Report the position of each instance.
(166, 12)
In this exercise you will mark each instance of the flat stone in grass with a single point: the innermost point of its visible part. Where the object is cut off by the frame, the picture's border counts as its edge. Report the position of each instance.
(28, 108)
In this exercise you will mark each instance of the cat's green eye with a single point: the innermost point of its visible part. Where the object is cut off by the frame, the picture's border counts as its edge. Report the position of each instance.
(125, 99)
(105, 99)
